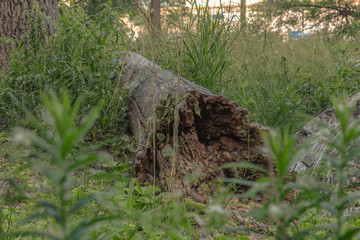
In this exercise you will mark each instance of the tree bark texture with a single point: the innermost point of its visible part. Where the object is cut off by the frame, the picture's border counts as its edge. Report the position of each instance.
(14, 22)
(212, 131)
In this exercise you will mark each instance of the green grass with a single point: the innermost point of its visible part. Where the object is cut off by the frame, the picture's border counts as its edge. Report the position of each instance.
(277, 81)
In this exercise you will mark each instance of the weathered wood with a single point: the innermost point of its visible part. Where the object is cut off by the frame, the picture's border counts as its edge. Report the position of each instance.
(319, 129)
(221, 134)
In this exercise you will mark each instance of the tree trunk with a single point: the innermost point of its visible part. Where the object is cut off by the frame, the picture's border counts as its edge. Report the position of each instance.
(155, 15)
(243, 12)
(212, 131)
(14, 22)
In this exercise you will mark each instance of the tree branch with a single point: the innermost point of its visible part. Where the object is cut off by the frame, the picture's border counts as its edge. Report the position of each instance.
(343, 11)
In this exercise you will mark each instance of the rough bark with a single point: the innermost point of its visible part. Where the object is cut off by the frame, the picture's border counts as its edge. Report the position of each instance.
(221, 134)
(319, 129)
(14, 22)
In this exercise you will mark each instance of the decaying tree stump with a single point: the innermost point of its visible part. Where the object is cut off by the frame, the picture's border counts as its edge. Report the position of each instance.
(212, 131)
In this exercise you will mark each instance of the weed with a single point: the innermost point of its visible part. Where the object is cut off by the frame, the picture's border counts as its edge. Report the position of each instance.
(60, 165)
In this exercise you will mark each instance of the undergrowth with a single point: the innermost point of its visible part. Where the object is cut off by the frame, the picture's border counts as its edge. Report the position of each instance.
(82, 57)
(279, 81)
(81, 191)
(83, 196)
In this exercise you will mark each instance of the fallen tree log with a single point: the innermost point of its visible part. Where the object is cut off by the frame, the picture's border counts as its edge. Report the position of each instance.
(321, 129)
(212, 131)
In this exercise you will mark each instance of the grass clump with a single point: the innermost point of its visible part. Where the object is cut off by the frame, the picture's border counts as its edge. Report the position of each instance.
(207, 44)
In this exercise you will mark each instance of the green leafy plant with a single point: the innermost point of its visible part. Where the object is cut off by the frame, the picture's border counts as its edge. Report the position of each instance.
(277, 187)
(5, 222)
(345, 143)
(290, 201)
(58, 144)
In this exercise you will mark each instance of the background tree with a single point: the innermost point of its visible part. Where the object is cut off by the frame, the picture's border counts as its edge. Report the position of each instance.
(343, 16)
(15, 18)
(155, 14)
(243, 11)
